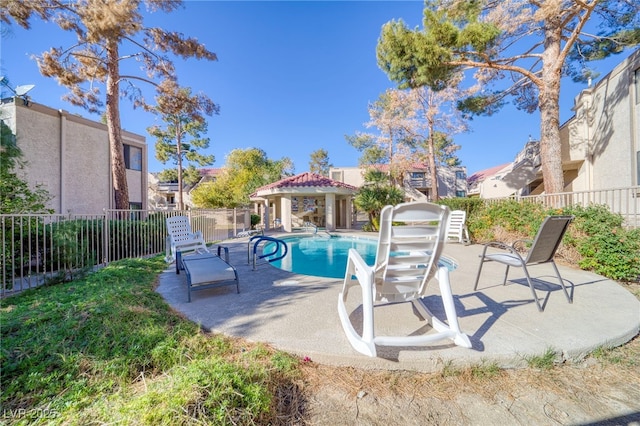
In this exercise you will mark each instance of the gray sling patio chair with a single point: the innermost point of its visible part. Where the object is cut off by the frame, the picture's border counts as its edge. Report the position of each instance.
(542, 251)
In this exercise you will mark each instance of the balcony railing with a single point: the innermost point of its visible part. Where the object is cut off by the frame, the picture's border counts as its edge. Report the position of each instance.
(623, 201)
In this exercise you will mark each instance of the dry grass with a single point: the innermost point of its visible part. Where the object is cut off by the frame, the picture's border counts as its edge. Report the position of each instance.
(596, 385)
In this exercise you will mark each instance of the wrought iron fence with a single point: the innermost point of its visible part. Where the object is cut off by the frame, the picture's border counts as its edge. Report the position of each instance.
(37, 248)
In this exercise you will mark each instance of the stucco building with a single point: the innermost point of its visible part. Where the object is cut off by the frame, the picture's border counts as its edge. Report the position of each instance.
(69, 156)
(600, 143)
(452, 181)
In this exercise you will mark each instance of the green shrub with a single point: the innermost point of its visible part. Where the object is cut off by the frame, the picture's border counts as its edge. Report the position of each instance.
(604, 245)
(255, 219)
(597, 236)
(469, 205)
(521, 218)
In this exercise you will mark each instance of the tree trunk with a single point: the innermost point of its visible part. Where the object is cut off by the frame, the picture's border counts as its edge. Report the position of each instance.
(118, 170)
(432, 163)
(179, 155)
(549, 97)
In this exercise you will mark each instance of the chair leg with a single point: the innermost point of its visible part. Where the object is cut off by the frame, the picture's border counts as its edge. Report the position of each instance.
(533, 290)
(475, 286)
(564, 289)
(460, 338)
(506, 273)
(364, 277)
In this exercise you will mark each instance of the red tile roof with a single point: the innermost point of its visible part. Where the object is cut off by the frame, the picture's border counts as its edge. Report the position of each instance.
(210, 171)
(307, 179)
(483, 174)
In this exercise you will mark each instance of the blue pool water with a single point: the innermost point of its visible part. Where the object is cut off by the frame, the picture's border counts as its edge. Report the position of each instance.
(322, 256)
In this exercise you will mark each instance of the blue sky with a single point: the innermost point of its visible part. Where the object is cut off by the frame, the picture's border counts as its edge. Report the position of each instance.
(291, 77)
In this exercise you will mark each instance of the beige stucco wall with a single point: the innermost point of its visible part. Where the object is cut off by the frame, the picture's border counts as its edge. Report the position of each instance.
(69, 156)
(448, 183)
(605, 131)
(349, 175)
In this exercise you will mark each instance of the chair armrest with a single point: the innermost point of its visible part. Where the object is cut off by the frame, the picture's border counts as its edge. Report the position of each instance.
(513, 253)
(499, 245)
(523, 242)
(358, 267)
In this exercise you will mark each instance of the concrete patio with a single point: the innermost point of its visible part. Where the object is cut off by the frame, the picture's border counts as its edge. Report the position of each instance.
(298, 314)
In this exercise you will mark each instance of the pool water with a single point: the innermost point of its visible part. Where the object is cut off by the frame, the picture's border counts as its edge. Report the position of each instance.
(324, 256)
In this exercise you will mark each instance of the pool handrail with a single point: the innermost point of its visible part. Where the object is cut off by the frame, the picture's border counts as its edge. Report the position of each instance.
(257, 239)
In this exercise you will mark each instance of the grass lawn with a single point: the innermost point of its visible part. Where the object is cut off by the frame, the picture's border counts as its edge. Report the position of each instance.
(108, 349)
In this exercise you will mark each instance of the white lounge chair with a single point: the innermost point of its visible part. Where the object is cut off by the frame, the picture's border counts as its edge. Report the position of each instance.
(181, 238)
(457, 229)
(411, 239)
(542, 251)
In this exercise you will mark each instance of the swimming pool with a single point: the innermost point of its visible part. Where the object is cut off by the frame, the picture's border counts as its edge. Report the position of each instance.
(325, 256)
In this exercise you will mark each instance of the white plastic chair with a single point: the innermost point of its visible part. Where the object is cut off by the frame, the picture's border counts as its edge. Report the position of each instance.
(182, 238)
(411, 239)
(457, 229)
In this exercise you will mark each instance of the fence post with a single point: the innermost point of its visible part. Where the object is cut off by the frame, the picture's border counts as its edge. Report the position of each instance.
(105, 238)
(235, 221)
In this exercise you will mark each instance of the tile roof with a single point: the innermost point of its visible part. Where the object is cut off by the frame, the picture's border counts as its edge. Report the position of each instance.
(483, 174)
(307, 179)
(208, 171)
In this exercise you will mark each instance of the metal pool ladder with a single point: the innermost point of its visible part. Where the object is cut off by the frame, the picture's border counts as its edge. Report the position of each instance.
(259, 241)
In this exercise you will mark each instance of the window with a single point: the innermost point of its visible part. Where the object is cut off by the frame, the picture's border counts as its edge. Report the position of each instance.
(417, 175)
(132, 157)
(460, 175)
(461, 194)
(337, 176)
(135, 206)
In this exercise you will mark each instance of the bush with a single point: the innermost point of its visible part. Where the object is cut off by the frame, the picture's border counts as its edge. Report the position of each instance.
(255, 219)
(604, 245)
(520, 219)
(596, 235)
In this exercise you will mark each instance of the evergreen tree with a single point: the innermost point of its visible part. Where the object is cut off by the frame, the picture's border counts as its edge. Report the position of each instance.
(319, 162)
(181, 140)
(103, 30)
(16, 197)
(531, 45)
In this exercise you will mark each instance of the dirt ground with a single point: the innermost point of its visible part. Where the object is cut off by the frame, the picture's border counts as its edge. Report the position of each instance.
(604, 389)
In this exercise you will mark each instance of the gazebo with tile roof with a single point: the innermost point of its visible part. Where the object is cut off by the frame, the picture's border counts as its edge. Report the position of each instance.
(307, 197)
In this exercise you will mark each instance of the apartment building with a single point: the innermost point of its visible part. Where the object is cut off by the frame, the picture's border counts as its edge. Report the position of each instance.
(452, 181)
(69, 156)
(600, 143)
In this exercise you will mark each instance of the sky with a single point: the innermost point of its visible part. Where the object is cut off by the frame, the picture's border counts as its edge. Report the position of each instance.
(291, 78)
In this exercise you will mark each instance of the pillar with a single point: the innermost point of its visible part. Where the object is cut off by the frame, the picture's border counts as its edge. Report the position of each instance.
(285, 212)
(330, 211)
